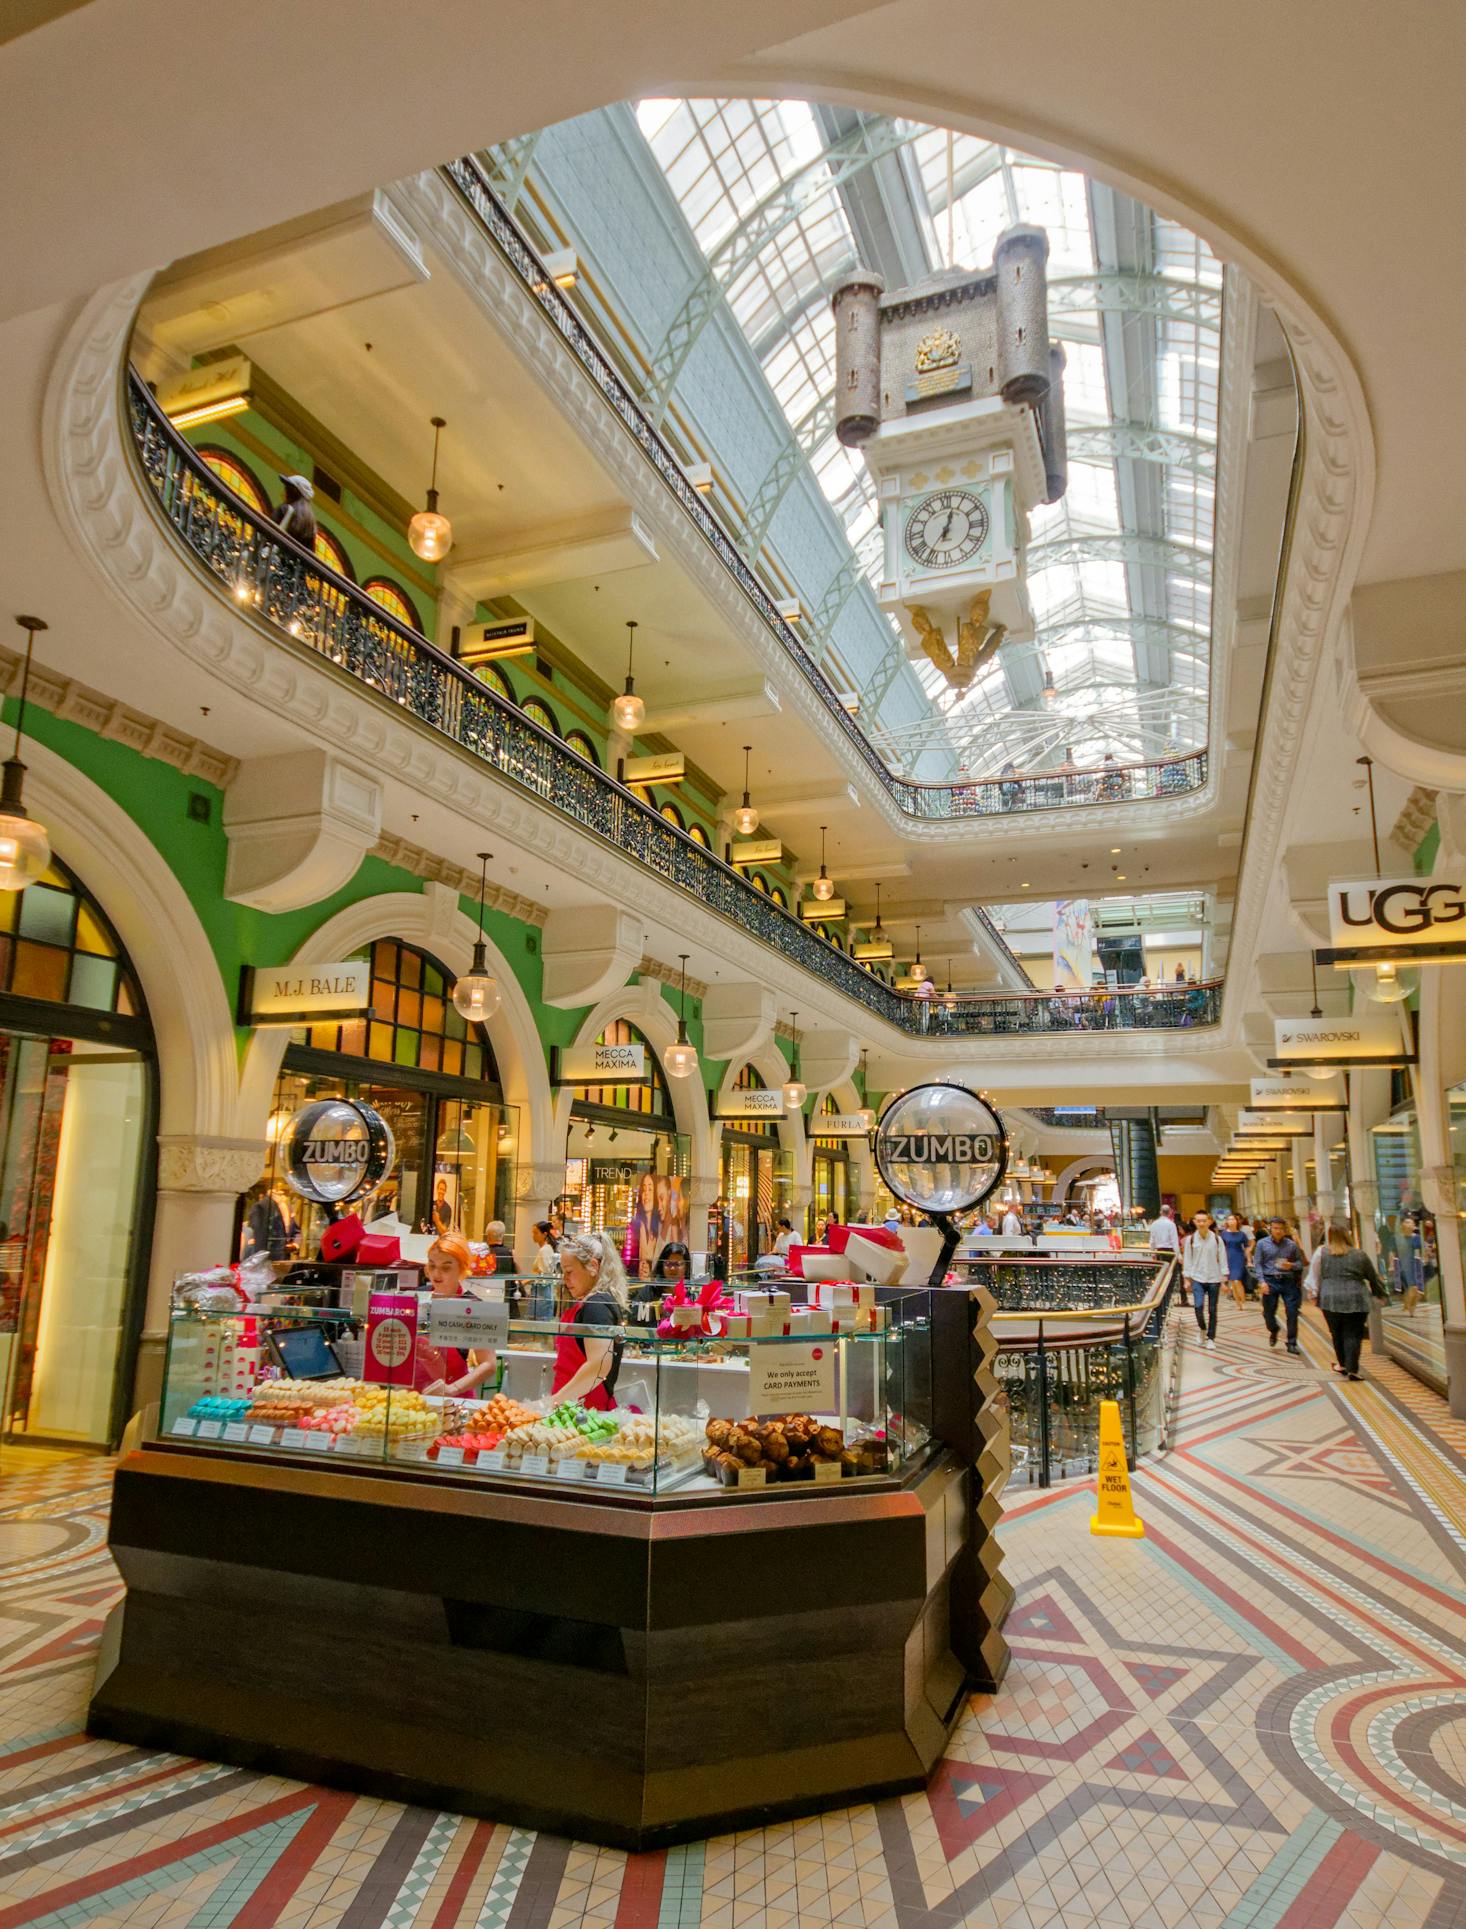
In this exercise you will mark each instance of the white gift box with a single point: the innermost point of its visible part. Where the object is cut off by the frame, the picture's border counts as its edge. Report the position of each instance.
(737, 1326)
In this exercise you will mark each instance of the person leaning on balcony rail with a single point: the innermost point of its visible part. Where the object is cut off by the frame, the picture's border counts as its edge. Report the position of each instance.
(295, 515)
(1346, 1279)
(1113, 781)
(1010, 787)
(1204, 1267)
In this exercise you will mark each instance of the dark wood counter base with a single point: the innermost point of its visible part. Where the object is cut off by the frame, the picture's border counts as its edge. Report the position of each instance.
(629, 1676)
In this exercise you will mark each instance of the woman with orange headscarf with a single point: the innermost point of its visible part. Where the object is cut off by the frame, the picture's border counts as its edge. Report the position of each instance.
(446, 1369)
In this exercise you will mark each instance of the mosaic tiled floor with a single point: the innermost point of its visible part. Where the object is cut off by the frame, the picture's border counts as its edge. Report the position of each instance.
(1255, 1717)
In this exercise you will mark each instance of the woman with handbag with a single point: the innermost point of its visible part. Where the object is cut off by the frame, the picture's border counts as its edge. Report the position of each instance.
(1346, 1279)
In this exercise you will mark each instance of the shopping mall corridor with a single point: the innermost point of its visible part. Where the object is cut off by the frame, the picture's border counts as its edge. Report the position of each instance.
(1256, 1716)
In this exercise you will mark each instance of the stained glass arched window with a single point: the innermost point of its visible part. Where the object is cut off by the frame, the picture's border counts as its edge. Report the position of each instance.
(412, 1021)
(238, 476)
(653, 1100)
(395, 600)
(699, 836)
(759, 882)
(579, 741)
(331, 553)
(673, 815)
(779, 898)
(542, 714)
(58, 947)
(496, 680)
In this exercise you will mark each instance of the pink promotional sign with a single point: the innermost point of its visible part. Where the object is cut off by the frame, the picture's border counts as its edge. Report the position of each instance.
(391, 1338)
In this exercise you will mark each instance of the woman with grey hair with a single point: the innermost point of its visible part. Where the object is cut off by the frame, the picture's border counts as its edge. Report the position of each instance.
(1346, 1279)
(595, 1285)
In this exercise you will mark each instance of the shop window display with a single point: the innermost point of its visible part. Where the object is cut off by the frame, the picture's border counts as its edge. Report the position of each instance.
(627, 1167)
(756, 1184)
(1408, 1258)
(76, 1108)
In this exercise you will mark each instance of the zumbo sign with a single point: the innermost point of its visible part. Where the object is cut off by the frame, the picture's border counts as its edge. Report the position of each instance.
(1395, 917)
(941, 1148)
(336, 1149)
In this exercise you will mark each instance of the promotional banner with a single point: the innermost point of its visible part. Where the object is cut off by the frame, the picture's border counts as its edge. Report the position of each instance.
(1298, 1095)
(1363, 1038)
(391, 1338)
(1074, 943)
(1382, 919)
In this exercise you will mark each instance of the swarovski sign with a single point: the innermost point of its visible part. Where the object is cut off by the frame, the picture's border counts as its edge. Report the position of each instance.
(1420, 919)
(1362, 1038)
(1297, 1095)
(941, 1148)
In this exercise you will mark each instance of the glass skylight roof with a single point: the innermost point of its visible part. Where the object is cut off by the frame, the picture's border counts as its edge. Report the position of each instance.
(778, 195)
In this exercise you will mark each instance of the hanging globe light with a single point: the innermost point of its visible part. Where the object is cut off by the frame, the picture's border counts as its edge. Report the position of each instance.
(794, 1089)
(680, 1060)
(476, 995)
(1387, 984)
(628, 712)
(429, 533)
(25, 849)
(823, 886)
(745, 818)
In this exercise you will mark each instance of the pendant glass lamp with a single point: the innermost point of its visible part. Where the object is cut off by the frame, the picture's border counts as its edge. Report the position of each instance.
(680, 1060)
(745, 818)
(878, 930)
(25, 849)
(476, 994)
(628, 712)
(918, 969)
(1050, 691)
(429, 533)
(795, 1090)
(1387, 984)
(949, 997)
(822, 887)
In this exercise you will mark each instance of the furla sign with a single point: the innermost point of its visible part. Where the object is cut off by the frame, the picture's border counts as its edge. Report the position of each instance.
(1375, 920)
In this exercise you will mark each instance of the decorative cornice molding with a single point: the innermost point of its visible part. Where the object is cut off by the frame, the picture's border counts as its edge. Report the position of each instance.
(228, 1166)
(107, 716)
(458, 877)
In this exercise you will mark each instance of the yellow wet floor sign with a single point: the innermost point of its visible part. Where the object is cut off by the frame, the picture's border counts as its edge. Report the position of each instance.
(1115, 1514)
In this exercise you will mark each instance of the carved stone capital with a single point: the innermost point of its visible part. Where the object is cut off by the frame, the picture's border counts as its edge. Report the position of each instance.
(209, 1165)
(702, 1193)
(1366, 1195)
(1438, 1188)
(539, 1184)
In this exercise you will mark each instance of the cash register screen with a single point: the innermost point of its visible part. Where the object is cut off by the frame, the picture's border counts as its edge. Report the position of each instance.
(304, 1353)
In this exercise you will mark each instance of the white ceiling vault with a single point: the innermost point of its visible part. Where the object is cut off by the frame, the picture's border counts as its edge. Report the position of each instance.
(783, 197)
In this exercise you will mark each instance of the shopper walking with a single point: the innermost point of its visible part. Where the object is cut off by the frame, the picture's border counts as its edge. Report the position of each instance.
(1238, 1242)
(1204, 1267)
(1164, 1237)
(1280, 1263)
(1346, 1278)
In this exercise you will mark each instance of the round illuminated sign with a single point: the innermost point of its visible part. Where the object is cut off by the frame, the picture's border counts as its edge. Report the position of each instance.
(336, 1149)
(941, 1148)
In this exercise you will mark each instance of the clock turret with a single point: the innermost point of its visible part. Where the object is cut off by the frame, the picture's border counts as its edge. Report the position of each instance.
(953, 392)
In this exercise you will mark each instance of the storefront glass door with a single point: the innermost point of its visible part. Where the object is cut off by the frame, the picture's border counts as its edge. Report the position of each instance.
(72, 1127)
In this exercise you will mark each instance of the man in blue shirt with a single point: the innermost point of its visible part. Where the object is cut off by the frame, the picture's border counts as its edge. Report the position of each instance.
(1279, 1263)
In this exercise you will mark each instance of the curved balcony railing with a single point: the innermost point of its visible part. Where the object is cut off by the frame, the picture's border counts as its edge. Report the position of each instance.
(996, 797)
(992, 1014)
(279, 583)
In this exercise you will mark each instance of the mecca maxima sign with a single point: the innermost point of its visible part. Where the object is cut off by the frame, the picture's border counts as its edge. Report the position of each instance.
(765, 1102)
(1384, 920)
(302, 994)
(1297, 1095)
(1361, 1038)
(599, 1065)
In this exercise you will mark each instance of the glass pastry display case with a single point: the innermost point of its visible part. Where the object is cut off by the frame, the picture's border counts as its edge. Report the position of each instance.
(815, 1401)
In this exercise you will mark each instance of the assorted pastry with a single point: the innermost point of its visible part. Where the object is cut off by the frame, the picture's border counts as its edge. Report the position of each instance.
(789, 1447)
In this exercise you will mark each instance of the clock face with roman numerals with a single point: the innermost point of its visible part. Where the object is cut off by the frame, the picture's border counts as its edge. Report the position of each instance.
(946, 529)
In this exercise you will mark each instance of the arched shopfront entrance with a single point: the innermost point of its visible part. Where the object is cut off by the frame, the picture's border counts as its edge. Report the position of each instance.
(78, 1118)
(432, 1076)
(756, 1175)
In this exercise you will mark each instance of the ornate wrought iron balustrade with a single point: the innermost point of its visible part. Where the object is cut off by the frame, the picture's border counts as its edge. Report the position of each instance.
(995, 797)
(277, 582)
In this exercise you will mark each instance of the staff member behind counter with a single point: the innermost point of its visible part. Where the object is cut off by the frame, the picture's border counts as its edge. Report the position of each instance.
(595, 1284)
(447, 1369)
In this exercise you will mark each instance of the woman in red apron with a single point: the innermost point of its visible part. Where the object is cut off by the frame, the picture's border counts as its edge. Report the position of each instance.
(446, 1369)
(586, 1365)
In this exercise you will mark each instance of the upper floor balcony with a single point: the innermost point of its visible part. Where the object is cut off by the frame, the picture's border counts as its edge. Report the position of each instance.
(274, 582)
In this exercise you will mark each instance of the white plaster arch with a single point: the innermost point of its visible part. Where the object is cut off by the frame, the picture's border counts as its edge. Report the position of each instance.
(643, 1005)
(188, 1006)
(432, 920)
(1076, 1169)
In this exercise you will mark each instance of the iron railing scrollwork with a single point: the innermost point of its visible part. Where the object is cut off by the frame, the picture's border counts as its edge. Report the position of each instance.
(274, 580)
(1175, 775)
